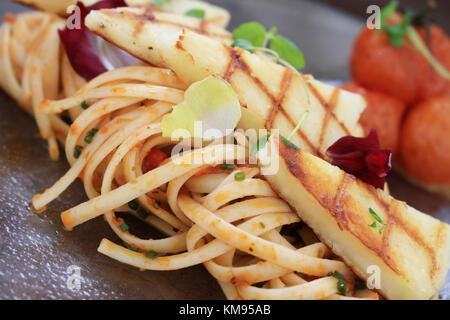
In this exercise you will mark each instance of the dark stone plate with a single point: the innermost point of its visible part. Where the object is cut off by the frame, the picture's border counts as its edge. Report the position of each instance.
(35, 251)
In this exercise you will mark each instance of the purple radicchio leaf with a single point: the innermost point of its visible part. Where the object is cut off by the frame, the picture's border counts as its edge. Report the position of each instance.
(80, 43)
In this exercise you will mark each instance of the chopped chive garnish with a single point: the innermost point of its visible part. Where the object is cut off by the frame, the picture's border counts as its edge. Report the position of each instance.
(380, 231)
(84, 105)
(142, 213)
(151, 254)
(124, 227)
(133, 205)
(341, 285)
(375, 215)
(77, 152)
(90, 135)
(227, 166)
(133, 248)
(374, 225)
(240, 176)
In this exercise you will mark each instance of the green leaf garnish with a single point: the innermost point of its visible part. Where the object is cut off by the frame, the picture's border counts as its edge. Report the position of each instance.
(253, 32)
(373, 225)
(196, 13)
(244, 44)
(211, 101)
(288, 51)
(158, 3)
(399, 32)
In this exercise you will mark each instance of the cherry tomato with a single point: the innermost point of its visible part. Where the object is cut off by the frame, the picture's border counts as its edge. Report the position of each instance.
(425, 143)
(153, 160)
(399, 72)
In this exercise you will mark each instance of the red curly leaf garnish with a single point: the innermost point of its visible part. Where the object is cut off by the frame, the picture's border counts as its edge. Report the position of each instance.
(80, 45)
(363, 158)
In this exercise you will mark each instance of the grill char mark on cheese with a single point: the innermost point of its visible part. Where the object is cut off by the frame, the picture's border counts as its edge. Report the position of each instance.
(343, 214)
(236, 63)
(142, 18)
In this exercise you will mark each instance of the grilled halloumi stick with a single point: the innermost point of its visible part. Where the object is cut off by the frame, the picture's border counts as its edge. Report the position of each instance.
(412, 252)
(274, 96)
(213, 14)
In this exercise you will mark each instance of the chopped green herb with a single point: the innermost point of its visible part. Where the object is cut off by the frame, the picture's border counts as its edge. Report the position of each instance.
(341, 285)
(133, 205)
(142, 213)
(151, 254)
(260, 144)
(77, 152)
(375, 215)
(360, 284)
(196, 13)
(240, 176)
(133, 248)
(380, 224)
(158, 3)
(84, 105)
(124, 227)
(380, 231)
(90, 135)
(227, 166)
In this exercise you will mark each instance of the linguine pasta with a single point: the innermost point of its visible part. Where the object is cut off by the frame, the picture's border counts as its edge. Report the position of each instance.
(247, 238)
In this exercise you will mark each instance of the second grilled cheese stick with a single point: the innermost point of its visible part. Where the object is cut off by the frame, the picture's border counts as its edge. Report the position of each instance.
(274, 96)
(213, 14)
(412, 252)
